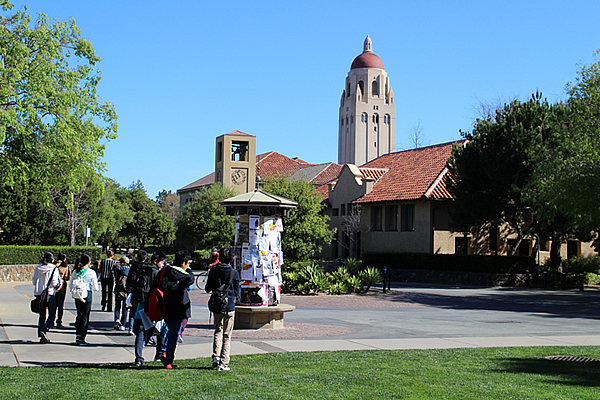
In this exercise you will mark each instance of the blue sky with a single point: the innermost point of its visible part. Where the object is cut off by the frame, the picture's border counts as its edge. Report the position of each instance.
(182, 73)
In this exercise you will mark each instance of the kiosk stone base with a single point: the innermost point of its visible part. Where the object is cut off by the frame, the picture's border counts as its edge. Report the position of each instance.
(261, 317)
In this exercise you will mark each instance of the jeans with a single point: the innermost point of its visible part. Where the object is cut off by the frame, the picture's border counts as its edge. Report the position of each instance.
(82, 321)
(60, 306)
(107, 292)
(121, 313)
(43, 322)
(174, 326)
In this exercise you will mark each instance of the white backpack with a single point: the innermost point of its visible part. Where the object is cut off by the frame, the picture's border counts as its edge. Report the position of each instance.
(79, 289)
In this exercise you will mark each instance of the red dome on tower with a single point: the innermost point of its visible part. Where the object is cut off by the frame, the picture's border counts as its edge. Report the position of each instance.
(367, 60)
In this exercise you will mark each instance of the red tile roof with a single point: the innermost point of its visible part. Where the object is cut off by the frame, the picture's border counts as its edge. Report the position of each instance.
(412, 175)
(207, 180)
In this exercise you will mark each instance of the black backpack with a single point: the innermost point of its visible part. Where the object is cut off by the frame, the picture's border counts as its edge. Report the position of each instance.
(142, 284)
(121, 287)
(219, 298)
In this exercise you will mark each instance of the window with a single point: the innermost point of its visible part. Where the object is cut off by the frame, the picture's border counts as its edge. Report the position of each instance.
(343, 207)
(376, 218)
(544, 245)
(494, 238)
(408, 217)
(219, 151)
(375, 118)
(361, 86)
(375, 88)
(573, 249)
(335, 212)
(391, 218)
(335, 245)
(461, 245)
(239, 151)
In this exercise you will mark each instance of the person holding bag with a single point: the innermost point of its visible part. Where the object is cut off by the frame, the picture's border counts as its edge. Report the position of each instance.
(45, 281)
(89, 279)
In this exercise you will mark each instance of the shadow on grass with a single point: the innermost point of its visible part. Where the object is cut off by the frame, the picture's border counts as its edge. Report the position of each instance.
(119, 366)
(558, 372)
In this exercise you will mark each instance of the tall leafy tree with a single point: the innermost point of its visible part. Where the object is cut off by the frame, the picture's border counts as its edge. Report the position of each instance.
(111, 214)
(493, 174)
(203, 222)
(52, 123)
(306, 229)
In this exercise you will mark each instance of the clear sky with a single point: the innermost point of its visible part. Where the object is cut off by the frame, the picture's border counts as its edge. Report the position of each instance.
(181, 73)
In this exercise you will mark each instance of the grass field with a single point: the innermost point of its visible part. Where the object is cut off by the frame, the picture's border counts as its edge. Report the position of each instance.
(497, 373)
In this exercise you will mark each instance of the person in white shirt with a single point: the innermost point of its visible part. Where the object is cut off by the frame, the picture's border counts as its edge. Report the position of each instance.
(84, 306)
(46, 275)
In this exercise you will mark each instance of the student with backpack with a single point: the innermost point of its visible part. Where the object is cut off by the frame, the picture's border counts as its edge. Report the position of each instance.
(177, 306)
(142, 282)
(121, 273)
(61, 292)
(224, 283)
(83, 282)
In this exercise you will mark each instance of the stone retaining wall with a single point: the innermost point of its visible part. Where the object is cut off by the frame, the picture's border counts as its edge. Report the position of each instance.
(17, 273)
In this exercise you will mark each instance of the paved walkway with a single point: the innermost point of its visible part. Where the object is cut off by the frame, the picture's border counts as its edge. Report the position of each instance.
(413, 317)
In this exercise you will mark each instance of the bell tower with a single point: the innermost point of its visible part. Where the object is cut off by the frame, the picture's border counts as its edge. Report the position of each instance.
(367, 117)
(235, 161)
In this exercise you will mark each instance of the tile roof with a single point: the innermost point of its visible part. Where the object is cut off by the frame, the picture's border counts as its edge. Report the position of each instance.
(274, 164)
(412, 174)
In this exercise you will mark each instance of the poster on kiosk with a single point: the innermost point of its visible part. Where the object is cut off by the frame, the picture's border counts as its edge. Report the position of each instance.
(260, 260)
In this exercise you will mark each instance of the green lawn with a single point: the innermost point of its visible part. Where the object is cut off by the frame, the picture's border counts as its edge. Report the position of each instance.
(498, 373)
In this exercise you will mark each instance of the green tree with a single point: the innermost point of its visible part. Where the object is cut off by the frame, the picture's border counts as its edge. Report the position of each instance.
(568, 173)
(306, 229)
(492, 175)
(203, 222)
(52, 124)
(149, 224)
(111, 214)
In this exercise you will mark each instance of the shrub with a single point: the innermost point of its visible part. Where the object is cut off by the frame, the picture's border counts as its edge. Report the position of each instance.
(18, 255)
(582, 264)
(369, 277)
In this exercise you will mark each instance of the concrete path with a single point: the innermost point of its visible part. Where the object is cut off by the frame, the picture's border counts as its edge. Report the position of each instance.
(410, 317)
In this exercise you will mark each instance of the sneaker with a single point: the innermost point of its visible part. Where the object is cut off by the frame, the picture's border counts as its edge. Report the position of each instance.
(80, 342)
(44, 338)
(140, 363)
(223, 368)
(158, 357)
(59, 325)
(171, 366)
(130, 333)
(151, 341)
(117, 325)
(179, 339)
(216, 361)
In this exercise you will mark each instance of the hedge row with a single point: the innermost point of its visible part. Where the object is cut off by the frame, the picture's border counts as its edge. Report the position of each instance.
(450, 262)
(16, 255)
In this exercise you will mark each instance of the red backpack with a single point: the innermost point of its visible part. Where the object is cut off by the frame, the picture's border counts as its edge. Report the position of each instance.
(155, 306)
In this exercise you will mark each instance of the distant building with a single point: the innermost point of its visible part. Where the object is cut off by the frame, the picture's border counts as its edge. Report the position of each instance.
(378, 199)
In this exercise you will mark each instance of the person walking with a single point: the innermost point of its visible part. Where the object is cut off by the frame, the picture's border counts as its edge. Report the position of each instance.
(174, 283)
(89, 280)
(106, 272)
(143, 280)
(61, 292)
(122, 321)
(218, 277)
(45, 276)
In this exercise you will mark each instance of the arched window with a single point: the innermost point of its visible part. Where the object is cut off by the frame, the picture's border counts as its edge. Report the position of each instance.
(375, 118)
(375, 88)
(348, 89)
(351, 118)
(361, 85)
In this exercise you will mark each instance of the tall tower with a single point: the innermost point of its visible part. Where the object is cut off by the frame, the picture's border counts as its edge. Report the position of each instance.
(235, 161)
(367, 120)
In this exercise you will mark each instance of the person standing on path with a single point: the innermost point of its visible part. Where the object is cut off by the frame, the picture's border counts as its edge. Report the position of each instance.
(174, 284)
(122, 320)
(106, 272)
(218, 277)
(90, 279)
(65, 276)
(46, 275)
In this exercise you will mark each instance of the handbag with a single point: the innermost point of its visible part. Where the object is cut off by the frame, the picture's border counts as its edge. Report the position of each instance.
(41, 300)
